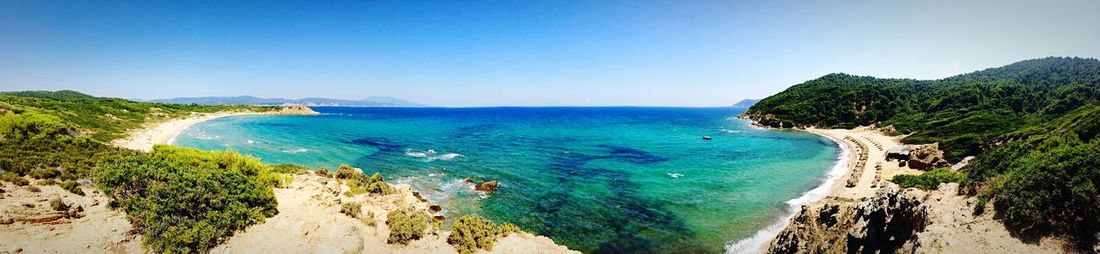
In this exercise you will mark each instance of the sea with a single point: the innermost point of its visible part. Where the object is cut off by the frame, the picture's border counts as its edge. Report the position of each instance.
(596, 179)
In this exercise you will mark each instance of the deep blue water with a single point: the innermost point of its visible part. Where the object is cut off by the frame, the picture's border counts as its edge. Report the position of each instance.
(597, 179)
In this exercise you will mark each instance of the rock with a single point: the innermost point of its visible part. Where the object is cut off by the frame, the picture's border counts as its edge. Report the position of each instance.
(487, 187)
(927, 157)
(295, 109)
(435, 208)
(888, 222)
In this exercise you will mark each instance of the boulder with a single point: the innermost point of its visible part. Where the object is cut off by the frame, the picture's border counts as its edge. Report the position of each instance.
(487, 187)
(927, 157)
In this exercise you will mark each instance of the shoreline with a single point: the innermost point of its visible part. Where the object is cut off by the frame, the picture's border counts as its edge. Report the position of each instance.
(145, 138)
(833, 184)
(758, 242)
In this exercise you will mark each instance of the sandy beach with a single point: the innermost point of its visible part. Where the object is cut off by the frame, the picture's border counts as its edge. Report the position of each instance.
(868, 179)
(865, 173)
(164, 132)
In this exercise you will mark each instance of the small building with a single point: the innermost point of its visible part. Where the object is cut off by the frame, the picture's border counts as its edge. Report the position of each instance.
(898, 152)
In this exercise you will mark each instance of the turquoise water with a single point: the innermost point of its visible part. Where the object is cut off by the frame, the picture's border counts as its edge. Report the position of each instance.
(607, 179)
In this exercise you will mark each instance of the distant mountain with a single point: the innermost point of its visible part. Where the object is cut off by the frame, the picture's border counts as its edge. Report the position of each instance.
(746, 103)
(251, 100)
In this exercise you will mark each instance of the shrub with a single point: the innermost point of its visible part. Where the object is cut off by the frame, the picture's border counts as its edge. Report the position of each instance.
(353, 209)
(187, 200)
(1053, 192)
(471, 233)
(32, 188)
(72, 186)
(283, 180)
(507, 229)
(14, 179)
(347, 172)
(288, 168)
(323, 172)
(58, 205)
(406, 225)
(46, 182)
(369, 184)
(928, 180)
(44, 173)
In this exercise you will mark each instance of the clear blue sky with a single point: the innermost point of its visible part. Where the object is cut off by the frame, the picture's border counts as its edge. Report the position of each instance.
(482, 53)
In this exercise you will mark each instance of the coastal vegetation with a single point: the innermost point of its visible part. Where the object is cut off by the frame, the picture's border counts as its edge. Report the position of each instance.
(1033, 127)
(181, 200)
(471, 233)
(928, 180)
(185, 200)
(406, 225)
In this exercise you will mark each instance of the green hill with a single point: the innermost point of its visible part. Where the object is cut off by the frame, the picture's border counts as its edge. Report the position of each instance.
(1033, 126)
(963, 112)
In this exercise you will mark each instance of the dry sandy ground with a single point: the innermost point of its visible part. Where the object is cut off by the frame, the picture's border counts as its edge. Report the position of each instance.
(309, 221)
(953, 228)
(30, 225)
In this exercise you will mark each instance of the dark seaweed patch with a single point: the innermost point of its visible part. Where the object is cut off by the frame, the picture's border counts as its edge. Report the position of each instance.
(614, 221)
(633, 155)
(384, 145)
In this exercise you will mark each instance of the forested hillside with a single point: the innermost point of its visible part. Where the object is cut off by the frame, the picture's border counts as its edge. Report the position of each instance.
(1033, 126)
(963, 112)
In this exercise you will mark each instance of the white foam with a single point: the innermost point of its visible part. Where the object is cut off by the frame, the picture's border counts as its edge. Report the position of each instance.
(430, 155)
(299, 150)
(411, 153)
(758, 242)
(730, 131)
(448, 156)
(675, 175)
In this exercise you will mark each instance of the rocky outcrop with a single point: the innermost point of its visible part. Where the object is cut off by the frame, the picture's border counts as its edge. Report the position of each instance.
(927, 157)
(767, 120)
(888, 222)
(295, 109)
(487, 187)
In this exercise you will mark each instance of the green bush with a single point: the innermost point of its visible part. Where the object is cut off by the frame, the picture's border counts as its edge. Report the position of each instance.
(353, 209)
(507, 229)
(14, 179)
(323, 172)
(46, 182)
(347, 172)
(287, 168)
(44, 173)
(406, 225)
(929, 180)
(58, 205)
(373, 184)
(1055, 191)
(473, 232)
(185, 200)
(72, 186)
